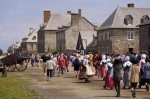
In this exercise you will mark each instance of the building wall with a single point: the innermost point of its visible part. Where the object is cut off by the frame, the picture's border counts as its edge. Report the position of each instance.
(93, 47)
(144, 38)
(60, 41)
(71, 34)
(104, 41)
(41, 40)
(24, 45)
(32, 47)
(118, 41)
(85, 26)
(121, 43)
(50, 40)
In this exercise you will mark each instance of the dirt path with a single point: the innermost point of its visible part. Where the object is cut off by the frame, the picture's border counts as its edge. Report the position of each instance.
(69, 87)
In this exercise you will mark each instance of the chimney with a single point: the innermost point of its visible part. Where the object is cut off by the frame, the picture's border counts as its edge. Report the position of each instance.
(47, 15)
(130, 5)
(79, 12)
(69, 12)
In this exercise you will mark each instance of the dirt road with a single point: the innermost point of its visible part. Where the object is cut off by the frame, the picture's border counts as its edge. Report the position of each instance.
(69, 87)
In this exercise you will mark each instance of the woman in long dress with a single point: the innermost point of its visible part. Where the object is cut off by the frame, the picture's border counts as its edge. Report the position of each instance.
(103, 67)
(109, 80)
(86, 70)
(127, 72)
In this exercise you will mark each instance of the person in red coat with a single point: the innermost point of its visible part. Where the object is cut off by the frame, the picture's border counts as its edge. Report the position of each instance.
(61, 63)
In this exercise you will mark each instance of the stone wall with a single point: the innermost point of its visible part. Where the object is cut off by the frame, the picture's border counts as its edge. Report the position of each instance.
(121, 43)
(32, 47)
(60, 41)
(104, 44)
(50, 40)
(41, 40)
(71, 34)
(144, 32)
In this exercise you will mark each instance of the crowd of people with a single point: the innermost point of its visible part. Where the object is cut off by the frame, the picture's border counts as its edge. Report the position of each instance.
(133, 69)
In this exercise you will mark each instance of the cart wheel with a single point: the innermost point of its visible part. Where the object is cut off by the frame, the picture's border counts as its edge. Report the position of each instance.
(11, 68)
(22, 66)
(4, 72)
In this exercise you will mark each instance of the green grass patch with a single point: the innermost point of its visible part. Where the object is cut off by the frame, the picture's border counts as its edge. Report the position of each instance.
(15, 88)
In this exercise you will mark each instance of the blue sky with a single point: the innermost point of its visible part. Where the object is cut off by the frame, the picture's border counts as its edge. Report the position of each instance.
(17, 16)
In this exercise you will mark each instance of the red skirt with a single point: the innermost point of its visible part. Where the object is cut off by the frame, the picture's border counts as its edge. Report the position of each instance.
(109, 82)
(102, 72)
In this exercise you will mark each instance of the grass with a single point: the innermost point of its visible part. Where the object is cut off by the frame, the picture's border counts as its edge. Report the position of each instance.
(15, 88)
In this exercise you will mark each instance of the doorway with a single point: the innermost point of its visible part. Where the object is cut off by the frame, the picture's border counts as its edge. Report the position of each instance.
(130, 50)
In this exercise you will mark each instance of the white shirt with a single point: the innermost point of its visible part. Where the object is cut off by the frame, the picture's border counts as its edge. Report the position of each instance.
(50, 64)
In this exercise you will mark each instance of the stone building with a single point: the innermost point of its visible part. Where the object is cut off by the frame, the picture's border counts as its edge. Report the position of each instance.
(144, 31)
(29, 42)
(67, 36)
(84, 41)
(92, 47)
(119, 33)
(47, 31)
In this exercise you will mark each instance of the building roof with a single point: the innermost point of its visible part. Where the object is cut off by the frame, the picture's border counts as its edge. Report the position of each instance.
(58, 20)
(93, 43)
(146, 23)
(116, 19)
(31, 37)
(87, 37)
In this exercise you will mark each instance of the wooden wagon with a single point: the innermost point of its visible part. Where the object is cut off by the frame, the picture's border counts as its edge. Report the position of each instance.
(17, 60)
(3, 69)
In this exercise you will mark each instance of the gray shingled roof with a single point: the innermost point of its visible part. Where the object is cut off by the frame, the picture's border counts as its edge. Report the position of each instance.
(146, 23)
(58, 20)
(116, 19)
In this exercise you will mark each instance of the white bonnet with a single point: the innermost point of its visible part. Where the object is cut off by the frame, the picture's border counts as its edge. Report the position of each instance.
(127, 58)
(143, 56)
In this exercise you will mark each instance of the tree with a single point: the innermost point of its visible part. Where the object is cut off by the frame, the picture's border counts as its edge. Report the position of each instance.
(1, 51)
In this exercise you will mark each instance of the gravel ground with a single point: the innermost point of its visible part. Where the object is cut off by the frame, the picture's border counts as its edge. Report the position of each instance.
(69, 87)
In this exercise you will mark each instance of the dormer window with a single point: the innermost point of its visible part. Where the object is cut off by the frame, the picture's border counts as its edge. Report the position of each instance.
(34, 38)
(128, 20)
(145, 19)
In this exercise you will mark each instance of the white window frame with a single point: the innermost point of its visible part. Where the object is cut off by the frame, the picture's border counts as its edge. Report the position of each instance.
(130, 35)
(108, 36)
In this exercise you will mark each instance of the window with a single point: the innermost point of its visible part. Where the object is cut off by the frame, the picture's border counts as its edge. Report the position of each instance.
(144, 19)
(103, 36)
(128, 20)
(107, 36)
(99, 35)
(130, 35)
(34, 38)
(108, 50)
